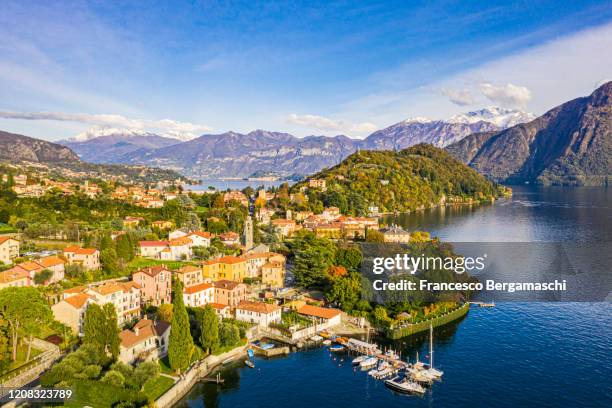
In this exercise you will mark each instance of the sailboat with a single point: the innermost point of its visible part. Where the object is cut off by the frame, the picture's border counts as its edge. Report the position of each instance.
(430, 370)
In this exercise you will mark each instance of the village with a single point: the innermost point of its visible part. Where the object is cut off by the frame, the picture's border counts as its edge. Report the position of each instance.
(243, 282)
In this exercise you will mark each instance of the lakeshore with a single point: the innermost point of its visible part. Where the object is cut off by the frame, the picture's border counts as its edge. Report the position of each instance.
(509, 346)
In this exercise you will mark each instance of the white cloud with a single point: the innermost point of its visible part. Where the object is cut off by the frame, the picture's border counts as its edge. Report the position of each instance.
(460, 97)
(553, 72)
(323, 123)
(509, 95)
(168, 126)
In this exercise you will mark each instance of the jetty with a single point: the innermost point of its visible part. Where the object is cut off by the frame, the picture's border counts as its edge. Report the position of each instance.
(483, 304)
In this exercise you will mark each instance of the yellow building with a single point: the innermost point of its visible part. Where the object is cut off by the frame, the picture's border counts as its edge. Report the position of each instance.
(228, 267)
(273, 274)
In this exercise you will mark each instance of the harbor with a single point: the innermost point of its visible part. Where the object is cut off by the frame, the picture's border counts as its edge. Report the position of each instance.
(311, 375)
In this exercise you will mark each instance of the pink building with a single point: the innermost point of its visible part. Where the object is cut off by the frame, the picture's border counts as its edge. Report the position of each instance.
(155, 284)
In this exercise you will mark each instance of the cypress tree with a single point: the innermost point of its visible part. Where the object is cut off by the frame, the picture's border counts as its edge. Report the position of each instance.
(180, 344)
(209, 337)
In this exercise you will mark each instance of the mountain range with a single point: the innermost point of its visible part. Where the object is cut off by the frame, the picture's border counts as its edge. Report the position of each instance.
(234, 154)
(569, 144)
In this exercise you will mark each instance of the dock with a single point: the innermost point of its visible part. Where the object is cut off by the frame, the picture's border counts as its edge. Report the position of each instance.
(483, 304)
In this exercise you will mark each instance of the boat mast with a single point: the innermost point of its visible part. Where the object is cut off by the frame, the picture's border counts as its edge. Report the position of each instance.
(431, 357)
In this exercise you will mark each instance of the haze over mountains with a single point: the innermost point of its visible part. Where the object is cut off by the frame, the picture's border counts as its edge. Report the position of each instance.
(235, 154)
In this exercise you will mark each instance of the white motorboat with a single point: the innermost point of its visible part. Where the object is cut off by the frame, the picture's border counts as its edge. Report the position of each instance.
(327, 342)
(368, 362)
(405, 386)
(358, 360)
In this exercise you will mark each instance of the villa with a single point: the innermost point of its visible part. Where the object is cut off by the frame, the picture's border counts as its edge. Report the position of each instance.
(148, 340)
(155, 284)
(89, 258)
(198, 295)
(258, 312)
(9, 250)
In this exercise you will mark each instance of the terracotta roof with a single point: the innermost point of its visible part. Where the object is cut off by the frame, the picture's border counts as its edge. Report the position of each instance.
(219, 306)
(152, 270)
(272, 265)
(80, 251)
(77, 301)
(50, 261)
(76, 289)
(153, 243)
(188, 269)
(13, 274)
(112, 287)
(321, 312)
(146, 329)
(180, 241)
(202, 234)
(4, 239)
(190, 290)
(30, 266)
(229, 235)
(258, 307)
(226, 284)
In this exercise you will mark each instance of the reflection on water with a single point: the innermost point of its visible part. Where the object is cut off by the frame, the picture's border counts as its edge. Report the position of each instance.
(550, 214)
(516, 354)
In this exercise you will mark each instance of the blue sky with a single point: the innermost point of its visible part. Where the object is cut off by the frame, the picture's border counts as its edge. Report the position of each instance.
(301, 67)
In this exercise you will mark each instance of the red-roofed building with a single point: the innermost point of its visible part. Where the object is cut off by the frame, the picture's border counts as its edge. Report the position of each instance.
(155, 284)
(258, 312)
(14, 277)
(322, 315)
(9, 249)
(71, 311)
(89, 258)
(198, 295)
(148, 340)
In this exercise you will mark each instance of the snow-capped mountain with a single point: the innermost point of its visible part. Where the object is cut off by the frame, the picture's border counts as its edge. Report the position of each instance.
(500, 117)
(235, 154)
(102, 131)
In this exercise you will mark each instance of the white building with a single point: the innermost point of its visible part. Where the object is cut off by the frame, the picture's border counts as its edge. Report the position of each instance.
(198, 295)
(258, 312)
(148, 340)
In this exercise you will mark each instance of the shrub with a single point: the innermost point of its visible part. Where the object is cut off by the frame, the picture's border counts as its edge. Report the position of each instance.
(113, 377)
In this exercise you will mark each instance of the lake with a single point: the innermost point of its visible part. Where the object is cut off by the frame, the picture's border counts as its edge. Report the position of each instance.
(550, 354)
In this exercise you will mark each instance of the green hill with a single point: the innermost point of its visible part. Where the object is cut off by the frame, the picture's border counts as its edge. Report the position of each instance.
(421, 176)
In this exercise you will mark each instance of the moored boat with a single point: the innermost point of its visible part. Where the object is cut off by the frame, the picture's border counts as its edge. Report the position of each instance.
(336, 349)
(249, 363)
(404, 386)
(368, 362)
(358, 360)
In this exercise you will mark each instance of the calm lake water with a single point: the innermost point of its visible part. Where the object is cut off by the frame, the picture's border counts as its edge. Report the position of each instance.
(550, 354)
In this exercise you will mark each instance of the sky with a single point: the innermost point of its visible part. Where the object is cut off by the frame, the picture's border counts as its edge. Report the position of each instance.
(322, 68)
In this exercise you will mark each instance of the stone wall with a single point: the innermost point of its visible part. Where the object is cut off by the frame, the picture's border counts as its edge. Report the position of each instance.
(193, 375)
(23, 376)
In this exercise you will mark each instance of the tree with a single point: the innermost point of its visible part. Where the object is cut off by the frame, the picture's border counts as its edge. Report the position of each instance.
(229, 334)
(164, 312)
(25, 310)
(145, 371)
(109, 261)
(114, 378)
(374, 236)
(419, 237)
(193, 222)
(125, 249)
(42, 276)
(313, 258)
(180, 345)
(100, 328)
(349, 256)
(345, 291)
(209, 336)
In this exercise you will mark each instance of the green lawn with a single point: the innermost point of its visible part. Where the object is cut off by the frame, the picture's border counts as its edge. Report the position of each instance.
(164, 365)
(139, 263)
(155, 388)
(100, 395)
(22, 351)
